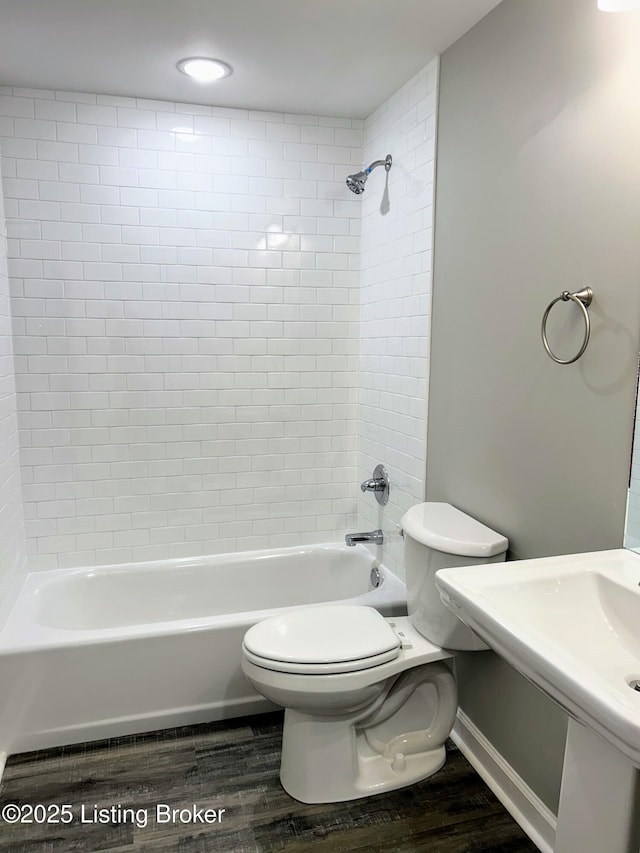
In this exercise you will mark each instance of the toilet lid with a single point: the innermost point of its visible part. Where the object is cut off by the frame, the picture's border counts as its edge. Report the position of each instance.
(331, 639)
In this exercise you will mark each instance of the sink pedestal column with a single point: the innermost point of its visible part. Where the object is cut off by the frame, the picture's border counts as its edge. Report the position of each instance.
(599, 799)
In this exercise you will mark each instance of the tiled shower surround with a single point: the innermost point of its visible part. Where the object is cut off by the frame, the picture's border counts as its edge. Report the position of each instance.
(185, 298)
(13, 555)
(184, 293)
(395, 300)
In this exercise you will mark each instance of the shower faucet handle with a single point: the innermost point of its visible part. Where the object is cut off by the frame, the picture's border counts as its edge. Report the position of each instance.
(378, 484)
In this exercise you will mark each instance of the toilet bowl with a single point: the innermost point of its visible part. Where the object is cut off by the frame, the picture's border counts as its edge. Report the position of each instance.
(372, 716)
(369, 701)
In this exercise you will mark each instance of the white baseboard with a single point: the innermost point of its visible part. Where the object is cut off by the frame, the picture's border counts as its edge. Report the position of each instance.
(516, 796)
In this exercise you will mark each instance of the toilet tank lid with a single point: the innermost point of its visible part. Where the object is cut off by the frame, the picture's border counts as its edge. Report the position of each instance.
(444, 528)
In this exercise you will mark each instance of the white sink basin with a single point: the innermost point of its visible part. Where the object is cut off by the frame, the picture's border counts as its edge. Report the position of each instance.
(570, 624)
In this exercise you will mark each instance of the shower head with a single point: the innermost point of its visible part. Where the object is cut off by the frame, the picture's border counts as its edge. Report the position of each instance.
(357, 181)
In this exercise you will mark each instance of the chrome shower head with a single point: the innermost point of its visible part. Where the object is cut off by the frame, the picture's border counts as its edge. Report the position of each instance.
(357, 181)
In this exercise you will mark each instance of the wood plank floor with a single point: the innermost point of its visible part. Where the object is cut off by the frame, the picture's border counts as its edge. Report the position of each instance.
(234, 766)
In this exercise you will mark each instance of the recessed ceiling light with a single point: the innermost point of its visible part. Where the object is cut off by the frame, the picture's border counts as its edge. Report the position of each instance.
(203, 69)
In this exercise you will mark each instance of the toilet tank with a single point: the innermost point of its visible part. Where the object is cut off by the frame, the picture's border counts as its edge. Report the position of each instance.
(439, 536)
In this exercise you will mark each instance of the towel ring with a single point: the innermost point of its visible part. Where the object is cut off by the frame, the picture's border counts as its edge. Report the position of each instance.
(583, 299)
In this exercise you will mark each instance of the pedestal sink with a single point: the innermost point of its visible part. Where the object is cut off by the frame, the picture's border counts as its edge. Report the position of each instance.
(571, 625)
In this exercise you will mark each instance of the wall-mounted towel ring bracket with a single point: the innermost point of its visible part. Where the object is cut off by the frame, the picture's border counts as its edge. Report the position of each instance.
(583, 299)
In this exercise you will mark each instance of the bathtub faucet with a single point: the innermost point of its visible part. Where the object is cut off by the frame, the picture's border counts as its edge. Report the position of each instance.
(375, 537)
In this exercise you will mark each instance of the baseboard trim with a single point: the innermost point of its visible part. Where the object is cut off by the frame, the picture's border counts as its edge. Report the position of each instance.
(516, 796)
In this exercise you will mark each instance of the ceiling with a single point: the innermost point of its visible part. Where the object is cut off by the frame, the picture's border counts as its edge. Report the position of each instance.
(323, 57)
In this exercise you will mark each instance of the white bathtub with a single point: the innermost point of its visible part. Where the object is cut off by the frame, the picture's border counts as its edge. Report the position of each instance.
(92, 653)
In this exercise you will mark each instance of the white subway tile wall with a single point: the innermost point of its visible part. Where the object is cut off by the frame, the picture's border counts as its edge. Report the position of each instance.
(13, 553)
(395, 298)
(184, 284)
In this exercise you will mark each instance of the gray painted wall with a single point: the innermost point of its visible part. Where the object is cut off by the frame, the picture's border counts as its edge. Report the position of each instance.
(538, 190)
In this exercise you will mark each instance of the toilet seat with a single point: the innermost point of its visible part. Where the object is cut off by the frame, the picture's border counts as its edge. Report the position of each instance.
(339, 668)
(322, 640)
(318, 686)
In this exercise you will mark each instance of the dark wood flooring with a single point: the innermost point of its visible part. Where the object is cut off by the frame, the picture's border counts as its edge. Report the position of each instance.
(234, 765)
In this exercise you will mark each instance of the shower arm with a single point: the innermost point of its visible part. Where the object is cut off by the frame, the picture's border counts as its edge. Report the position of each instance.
(386, 163)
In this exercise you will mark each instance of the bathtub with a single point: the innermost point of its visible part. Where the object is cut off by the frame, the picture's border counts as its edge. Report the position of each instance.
(99, 652)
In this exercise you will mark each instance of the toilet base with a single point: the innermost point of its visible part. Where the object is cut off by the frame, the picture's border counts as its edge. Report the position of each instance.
(339, 772)
(328, 759)
(377, 774)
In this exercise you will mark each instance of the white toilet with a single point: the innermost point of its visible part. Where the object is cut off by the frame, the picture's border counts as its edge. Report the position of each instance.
(371, 700)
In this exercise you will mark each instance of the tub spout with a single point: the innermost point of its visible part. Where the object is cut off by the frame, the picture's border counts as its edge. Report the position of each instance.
(374, 536)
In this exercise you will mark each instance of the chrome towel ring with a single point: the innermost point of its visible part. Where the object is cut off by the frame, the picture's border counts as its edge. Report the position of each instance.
(583, 299)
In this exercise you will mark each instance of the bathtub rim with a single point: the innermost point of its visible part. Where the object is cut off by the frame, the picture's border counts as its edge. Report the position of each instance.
(21, 634)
